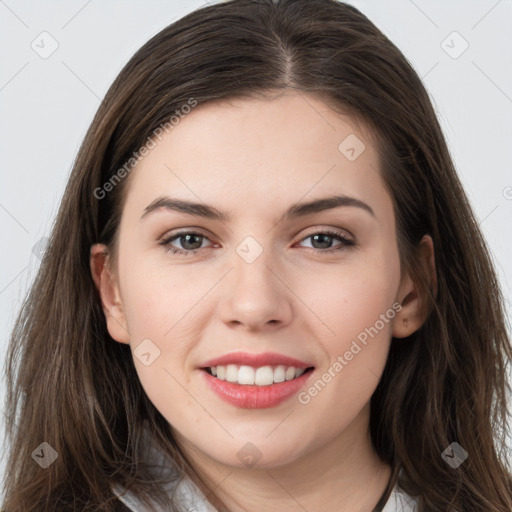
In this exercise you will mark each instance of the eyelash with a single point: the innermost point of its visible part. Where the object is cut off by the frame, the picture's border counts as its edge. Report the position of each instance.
(334, 234)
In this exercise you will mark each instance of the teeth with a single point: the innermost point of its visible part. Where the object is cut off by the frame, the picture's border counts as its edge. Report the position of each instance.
(231, 372)
(290, 373)
(262, 376)
(245, 375)
(279, 373)
(221, 372)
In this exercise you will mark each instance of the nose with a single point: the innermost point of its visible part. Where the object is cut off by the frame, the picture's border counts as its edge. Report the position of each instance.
(256, 296)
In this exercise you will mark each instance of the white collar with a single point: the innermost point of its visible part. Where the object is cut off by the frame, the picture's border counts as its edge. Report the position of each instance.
(399, 501)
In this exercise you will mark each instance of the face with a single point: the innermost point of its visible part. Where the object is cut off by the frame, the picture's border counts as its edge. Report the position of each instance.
(298, 302)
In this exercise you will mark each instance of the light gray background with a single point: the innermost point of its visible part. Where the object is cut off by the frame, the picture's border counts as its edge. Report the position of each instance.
(46, 105)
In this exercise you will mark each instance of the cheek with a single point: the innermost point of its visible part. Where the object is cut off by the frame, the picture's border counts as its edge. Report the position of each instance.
(358, 315)
(156, 307)
(166, 306)
(154, 297)
(144, 307)
(349, 298)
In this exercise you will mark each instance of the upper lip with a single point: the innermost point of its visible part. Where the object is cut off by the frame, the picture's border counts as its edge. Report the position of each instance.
(255, 360)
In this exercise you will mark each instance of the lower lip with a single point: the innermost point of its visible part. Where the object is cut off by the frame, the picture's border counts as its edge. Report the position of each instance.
(256, 397)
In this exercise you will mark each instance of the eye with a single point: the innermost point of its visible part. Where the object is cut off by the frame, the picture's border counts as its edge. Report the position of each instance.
(189, 240)
(325, 238)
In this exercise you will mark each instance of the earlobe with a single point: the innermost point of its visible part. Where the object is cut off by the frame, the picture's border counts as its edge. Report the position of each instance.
(407, 320)
(414, 311)
(108, 289)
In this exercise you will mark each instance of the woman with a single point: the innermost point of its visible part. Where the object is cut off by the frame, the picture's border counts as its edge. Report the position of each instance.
(334, 336)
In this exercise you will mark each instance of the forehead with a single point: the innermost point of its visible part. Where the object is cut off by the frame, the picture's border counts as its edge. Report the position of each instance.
(256, 153)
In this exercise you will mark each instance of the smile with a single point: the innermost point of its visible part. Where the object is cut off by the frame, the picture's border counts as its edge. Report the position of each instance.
(248, 375)
(256, 396)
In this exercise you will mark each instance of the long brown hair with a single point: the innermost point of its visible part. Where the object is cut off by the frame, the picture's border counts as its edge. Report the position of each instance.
(72, 386)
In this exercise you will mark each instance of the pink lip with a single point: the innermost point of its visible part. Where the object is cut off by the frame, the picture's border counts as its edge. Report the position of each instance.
(255, 360)
(255, 397)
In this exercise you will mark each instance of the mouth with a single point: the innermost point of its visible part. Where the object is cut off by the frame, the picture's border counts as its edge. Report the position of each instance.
(255, 387)
(245, 375)
(255, 381)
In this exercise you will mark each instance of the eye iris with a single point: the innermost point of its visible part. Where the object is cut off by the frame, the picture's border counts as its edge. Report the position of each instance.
(187, 238)
(327, 239)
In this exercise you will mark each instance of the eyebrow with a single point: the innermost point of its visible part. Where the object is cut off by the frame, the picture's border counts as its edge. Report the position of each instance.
(297, 210)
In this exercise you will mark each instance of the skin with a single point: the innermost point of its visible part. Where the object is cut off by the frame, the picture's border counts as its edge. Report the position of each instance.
(254, 158)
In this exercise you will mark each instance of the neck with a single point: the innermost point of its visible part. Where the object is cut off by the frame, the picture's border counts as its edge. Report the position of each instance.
(343, 475)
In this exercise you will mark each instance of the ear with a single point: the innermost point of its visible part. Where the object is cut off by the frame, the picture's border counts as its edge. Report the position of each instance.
(412, 315)
(106, 283)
